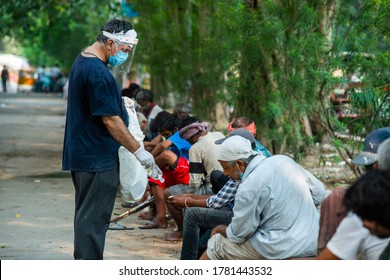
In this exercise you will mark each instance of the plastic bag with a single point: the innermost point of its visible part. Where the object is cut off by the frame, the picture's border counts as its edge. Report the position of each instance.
(132, 175)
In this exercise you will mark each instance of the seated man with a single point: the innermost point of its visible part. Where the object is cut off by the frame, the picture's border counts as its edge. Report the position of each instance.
(275, 214)
(202, 163)
(171, 156)
(248, 124)
(147, 106)
(154, 128)
(369, 198)
(182, 111)
(352, 240)
(204, 212)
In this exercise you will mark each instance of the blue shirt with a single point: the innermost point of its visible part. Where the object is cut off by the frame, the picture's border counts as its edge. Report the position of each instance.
(179, 146)
(93, 93)
(260, 148)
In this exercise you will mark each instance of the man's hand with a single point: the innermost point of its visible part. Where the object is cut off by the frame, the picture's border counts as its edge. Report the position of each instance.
(178, 200)
(221, 229)
(145, 158)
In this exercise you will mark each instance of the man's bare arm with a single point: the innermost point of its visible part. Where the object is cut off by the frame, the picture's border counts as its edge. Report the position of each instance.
(161, 147)
(120, 133)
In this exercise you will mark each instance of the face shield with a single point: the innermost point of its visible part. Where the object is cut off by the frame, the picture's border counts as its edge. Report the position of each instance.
(130, 40)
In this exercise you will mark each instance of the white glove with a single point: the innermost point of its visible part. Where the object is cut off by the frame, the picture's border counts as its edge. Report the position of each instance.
(145, 158)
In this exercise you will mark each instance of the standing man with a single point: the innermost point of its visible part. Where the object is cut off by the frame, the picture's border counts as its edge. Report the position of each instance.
(4, 77)
(96, 125)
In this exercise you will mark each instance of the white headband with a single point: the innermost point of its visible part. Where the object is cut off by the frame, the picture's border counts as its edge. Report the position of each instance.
(130, 37)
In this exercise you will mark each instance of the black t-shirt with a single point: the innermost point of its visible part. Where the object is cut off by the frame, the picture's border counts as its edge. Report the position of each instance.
(93, 92)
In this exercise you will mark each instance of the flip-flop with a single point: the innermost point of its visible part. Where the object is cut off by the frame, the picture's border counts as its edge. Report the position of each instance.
(116, 226)
(129, 204)
(150, 225)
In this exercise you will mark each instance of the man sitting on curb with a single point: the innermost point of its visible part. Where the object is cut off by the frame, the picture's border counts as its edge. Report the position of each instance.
(352, 240)
(202, 162)
(369, 198)
(275, 214)
(171, 156)
(205, 212)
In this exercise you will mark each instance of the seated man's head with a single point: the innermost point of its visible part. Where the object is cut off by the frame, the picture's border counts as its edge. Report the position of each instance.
(243, 122)
(368, 156)
(144, 97)
(131, 91)
(182, 110)
(193, 131)
(169, 126)
(239, 132)
(234, 155)
(155, 124)
(369, 198)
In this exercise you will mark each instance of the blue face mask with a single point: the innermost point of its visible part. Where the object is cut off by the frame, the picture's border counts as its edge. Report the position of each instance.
(118, 59)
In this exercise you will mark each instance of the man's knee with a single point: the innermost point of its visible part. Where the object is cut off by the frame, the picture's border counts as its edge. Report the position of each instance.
(167, 193)
(192, 215)
(167, 156)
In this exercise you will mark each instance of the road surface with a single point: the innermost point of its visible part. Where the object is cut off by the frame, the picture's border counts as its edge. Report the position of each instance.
(36, 197)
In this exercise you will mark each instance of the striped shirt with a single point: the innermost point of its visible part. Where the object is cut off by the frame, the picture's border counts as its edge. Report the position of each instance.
(225, 197)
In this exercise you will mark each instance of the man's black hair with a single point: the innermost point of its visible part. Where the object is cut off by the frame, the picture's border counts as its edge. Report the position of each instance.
(170, 123)
(134, 88)
(369, 197)
(188, 121)
(131, 91)
(155, 124)
(114, 26)
(127, 92)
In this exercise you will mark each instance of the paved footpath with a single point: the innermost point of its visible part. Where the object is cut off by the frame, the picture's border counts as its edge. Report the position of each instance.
(36, 197)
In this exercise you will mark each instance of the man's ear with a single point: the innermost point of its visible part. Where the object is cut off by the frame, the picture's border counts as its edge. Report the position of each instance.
(110, 44)
(175, 129)
(241, 165)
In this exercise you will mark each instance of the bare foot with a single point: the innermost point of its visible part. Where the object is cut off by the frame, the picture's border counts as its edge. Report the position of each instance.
(151, 225)
(174, 236)
(155, 224)
(146, 216)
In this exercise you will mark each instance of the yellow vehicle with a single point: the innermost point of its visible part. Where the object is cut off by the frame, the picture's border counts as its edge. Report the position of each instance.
(26, 80)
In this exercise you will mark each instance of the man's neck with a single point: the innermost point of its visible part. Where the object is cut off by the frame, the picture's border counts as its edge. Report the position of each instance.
(98, 50)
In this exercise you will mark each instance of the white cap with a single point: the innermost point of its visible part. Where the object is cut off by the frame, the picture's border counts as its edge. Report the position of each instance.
(130, 37)
(234, 148)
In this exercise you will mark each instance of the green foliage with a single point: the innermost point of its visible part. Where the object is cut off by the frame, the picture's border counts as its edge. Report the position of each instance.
(54, 31)
(273, 61)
